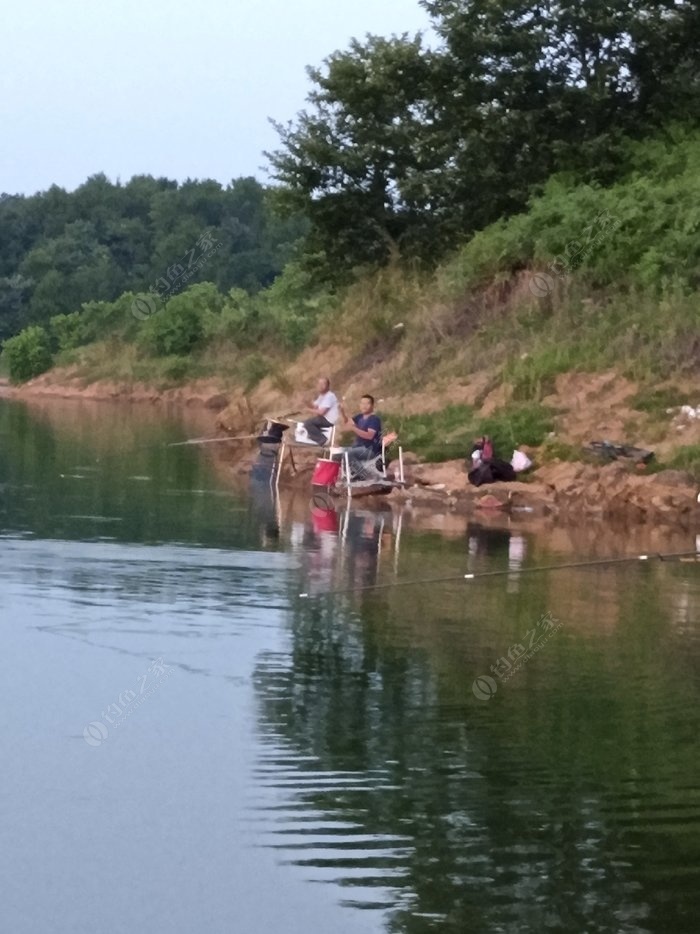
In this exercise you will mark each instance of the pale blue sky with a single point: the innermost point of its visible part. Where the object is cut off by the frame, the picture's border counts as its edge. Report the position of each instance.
(179, 88)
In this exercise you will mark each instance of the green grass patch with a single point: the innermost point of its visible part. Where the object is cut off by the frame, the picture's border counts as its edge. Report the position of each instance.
(687, 458)
(450, 432)
(528, 423)
(555, 450)
(656, 401)
(533, 376)
(436, 436)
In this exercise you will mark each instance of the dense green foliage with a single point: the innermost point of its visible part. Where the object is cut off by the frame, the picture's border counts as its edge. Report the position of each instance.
(60, 249)
(405, 148)
(28, 354)
(641, 231)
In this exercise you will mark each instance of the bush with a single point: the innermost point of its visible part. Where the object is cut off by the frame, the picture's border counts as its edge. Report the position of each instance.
(176, 368)
(640, 232)
(68, 331)
(175, 330)
(28, 354)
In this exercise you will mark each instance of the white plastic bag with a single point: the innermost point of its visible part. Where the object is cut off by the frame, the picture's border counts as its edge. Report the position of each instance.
(520, 461)
(301, 434)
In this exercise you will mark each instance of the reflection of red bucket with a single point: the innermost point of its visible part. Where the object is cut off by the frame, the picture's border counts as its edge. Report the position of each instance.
(325, 520)
(325, 472)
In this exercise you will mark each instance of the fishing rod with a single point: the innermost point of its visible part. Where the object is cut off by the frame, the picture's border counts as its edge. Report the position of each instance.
(279, 419)
(180, 444)
(478, 575)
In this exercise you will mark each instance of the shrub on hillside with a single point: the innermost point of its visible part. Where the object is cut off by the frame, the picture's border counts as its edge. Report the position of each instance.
(640, 232)
(175, 330)
(68, 331)
(28, 354)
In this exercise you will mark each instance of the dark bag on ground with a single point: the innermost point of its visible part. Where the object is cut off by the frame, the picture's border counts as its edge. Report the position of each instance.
(491, 471)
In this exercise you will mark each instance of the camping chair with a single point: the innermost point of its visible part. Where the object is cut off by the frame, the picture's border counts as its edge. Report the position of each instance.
(297, 442)
(301, 436)
(371, 471)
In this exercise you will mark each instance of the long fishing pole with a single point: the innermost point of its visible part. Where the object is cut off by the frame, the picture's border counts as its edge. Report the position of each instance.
(180, 444)
(478, 575)
(279, 419)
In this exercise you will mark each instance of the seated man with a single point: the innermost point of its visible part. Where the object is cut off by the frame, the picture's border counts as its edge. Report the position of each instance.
(367, 427)
(326, 412)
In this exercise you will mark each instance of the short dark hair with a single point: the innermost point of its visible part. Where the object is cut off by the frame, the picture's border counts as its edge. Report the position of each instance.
(367, 396)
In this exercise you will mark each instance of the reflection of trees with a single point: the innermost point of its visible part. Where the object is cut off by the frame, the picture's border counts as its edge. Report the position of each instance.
(526, 813)
(65, 473)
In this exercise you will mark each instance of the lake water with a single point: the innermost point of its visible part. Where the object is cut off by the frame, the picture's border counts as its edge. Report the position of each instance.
(188, 745)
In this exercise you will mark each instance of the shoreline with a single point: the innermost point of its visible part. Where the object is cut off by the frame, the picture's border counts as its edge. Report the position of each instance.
(562, 490)
(207, 394)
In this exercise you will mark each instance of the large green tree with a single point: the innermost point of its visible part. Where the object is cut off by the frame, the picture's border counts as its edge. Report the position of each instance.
(355, 163)
(409, 148)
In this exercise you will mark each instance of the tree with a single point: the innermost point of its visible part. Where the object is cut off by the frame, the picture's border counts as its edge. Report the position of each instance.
(14, 291)
(409, 149)
(28, 354)
(355, 164)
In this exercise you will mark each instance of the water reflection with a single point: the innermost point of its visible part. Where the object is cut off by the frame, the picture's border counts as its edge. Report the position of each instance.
(358, 756)
(562, 804)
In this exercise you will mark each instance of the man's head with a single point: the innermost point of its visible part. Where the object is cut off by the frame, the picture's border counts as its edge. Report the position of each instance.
(367, 404)
(323, 385)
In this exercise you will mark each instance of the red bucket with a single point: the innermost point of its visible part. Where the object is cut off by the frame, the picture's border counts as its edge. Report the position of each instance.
(325, 472)
(325, 520)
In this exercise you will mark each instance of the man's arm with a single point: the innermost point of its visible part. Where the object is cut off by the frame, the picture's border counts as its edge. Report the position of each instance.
(317, 410)
(366, 434)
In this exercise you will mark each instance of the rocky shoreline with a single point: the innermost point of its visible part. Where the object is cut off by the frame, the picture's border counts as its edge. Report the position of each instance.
(565, 489)
(610, 491)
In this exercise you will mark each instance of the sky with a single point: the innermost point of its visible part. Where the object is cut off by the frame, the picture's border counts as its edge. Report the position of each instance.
(174, 88)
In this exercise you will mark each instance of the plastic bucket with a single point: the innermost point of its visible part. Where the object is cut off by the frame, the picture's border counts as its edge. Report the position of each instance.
(325, 520)
(325, 472)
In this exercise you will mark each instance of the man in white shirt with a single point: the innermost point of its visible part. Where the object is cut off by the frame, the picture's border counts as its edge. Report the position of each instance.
(326, 412)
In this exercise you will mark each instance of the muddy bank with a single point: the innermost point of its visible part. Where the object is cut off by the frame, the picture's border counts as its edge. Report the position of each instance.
(562, 489)
(65, 384)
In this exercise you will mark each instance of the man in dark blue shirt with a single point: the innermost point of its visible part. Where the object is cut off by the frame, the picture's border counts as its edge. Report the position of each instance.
(367, 427)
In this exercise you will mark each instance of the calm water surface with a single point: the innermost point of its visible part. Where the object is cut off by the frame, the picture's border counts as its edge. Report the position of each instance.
(189, 746)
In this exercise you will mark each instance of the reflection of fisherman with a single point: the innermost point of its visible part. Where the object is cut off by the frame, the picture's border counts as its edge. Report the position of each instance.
(364, 538)
(367, 427)
(263, 502)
